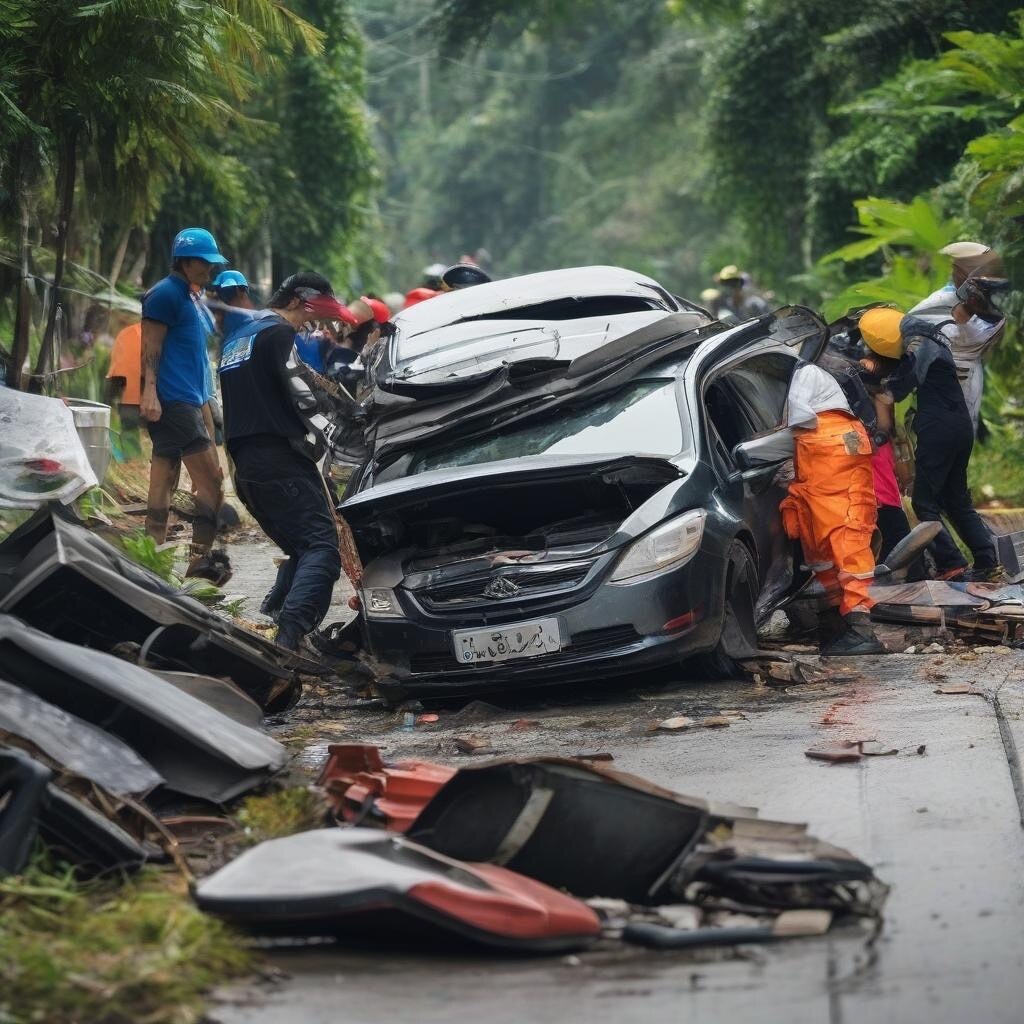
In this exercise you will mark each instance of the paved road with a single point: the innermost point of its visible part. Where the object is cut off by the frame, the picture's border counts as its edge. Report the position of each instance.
(942, 828)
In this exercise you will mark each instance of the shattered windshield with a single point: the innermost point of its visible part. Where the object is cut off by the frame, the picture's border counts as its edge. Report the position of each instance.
(642, 419)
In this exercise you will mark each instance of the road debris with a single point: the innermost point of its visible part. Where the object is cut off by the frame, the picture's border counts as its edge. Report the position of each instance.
(66, 581)
(472, 745)
(960, 688)
(198, 750)
(362, 788)
(348, 882)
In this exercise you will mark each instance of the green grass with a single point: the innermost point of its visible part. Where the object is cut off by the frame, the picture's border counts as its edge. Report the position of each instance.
(999, 464)
(108, 951)
(280, 814)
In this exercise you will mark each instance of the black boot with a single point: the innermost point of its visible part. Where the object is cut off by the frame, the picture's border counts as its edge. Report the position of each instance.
(857, 638)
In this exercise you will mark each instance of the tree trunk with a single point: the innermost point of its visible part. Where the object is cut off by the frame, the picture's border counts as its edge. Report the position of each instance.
(23, 319)
(122, 249)
(65, 199)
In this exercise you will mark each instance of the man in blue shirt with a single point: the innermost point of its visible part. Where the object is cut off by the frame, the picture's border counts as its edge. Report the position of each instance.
(175, 364)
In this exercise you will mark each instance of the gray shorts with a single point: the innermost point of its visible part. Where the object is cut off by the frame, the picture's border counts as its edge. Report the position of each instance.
(180, 431)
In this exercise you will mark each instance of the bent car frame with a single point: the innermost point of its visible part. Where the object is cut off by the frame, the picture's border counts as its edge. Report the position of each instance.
(585, 507)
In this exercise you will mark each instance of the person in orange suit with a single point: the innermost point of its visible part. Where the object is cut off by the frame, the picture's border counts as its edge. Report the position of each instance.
(124, 376)
(831, 506)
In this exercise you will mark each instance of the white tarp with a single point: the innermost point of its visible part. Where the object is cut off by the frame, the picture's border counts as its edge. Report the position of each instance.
(41, 455)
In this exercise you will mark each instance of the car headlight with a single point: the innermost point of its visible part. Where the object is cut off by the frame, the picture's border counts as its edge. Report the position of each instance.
(669, 546)
(381, 604)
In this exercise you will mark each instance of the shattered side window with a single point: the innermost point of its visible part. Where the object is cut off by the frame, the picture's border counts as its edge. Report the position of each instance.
(642, 419)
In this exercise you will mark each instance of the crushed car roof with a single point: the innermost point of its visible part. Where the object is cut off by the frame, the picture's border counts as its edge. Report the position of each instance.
(515, 293)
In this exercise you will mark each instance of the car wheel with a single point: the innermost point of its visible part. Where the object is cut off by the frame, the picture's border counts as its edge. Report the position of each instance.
(738, 639)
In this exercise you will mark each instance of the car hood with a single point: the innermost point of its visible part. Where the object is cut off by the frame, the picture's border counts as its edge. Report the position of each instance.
(422, 487)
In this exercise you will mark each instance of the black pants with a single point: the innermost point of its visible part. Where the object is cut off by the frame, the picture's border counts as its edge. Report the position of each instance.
(286, 496)
(940, 488)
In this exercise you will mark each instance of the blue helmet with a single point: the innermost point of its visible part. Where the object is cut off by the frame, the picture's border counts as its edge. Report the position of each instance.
(196, 244)
(228, 279)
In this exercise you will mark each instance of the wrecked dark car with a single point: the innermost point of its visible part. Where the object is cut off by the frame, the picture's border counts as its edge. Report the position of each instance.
(600, 504)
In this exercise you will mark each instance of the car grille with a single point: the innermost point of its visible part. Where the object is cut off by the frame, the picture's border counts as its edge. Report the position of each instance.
(529, 580)
(593, 641)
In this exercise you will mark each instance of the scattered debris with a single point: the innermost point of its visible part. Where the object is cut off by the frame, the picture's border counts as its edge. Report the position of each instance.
(348, 882)
(682, 722)
(472, 745)
(198, 750)
(363, 788)
(849, 751)
(63, 579)
(960, 688)
(600, 756)
(872, 748)
(656, 846)
(841, 752)
(675, 723)
(428, 719)
(788, 924)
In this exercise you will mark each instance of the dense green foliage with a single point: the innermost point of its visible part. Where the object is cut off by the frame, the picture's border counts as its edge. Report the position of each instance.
(129, 119)
(670, 137)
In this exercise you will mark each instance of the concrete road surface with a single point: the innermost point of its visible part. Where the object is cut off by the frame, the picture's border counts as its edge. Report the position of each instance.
(941, 827)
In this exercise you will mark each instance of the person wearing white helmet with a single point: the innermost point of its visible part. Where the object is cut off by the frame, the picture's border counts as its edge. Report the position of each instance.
(965, 311)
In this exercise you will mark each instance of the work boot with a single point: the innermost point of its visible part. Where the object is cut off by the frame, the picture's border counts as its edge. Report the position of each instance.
(296, 643)
(209, 565)
(857, 638)
(997, 574)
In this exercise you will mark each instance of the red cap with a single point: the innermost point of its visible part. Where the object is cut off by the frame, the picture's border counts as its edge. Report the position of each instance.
(418, 295)
(381, 313)
(327, 307)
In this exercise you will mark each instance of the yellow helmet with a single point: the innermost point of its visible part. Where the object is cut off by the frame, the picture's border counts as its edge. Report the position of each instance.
(730, 273)
(880, 329)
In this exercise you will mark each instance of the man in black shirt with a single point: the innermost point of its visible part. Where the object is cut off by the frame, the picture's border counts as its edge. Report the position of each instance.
(945, 437)
(267, 391)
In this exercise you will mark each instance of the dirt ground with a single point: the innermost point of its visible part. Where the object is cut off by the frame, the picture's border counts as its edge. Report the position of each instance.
(940, 821)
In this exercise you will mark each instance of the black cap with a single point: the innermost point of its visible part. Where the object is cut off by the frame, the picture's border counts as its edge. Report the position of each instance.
(290, 286)
(463, 275)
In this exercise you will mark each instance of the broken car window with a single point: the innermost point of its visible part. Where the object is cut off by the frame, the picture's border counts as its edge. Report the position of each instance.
(641, 419)
(763, 381)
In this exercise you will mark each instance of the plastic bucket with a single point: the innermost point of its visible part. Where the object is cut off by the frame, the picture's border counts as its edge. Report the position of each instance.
(92, 421)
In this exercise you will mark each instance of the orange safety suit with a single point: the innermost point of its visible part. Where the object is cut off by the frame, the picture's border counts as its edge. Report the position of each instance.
(831, 508)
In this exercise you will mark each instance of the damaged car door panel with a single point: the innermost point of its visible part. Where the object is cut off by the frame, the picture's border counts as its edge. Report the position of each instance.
(63, 579)
(591, 527)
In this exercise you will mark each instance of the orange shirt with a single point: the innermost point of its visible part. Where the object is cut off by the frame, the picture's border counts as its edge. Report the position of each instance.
(126, 361)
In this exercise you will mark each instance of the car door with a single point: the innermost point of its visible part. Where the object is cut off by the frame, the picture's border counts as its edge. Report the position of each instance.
(745, 398)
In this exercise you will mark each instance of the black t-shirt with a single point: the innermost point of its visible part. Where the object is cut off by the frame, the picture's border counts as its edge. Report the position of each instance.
(256, 401)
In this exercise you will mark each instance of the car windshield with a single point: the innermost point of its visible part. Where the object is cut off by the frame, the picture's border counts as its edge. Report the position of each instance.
(642, 419)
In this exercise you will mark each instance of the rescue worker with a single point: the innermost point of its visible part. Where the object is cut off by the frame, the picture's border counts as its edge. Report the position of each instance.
(830, 507)
(973, 333)
(267, 393)
(737, 298)
(176, 388)
(124, 376)
(945, 437)
(232, 304)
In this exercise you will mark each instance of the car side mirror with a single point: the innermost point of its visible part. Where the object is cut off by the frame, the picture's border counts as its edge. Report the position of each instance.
(764, 452)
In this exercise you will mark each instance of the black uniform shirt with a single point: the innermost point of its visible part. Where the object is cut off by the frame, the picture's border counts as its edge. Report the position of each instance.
(252, 379)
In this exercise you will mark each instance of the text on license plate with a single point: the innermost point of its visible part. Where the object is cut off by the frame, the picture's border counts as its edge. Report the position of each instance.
(505, 643)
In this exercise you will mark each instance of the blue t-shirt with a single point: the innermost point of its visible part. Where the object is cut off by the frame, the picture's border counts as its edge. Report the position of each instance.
(184, 372)
(308, 347)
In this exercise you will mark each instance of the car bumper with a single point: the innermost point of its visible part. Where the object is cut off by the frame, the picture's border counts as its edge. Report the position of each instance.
(617, 630)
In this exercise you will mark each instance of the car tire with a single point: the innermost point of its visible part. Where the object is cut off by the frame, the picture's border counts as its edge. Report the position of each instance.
(738, 639)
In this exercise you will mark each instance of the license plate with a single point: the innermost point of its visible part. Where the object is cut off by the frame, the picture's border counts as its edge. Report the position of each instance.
(507, 643)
